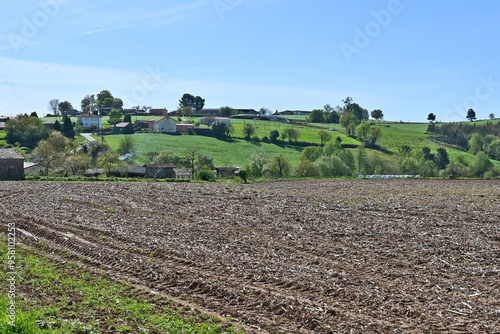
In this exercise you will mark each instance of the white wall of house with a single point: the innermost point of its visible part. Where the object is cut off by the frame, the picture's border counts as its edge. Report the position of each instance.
(87, 121)
(165, 125)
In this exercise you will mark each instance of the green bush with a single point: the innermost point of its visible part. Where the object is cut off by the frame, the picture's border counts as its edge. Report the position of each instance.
(206, 175)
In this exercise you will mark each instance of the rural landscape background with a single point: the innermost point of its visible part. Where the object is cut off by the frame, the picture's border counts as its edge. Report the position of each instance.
(217, 166)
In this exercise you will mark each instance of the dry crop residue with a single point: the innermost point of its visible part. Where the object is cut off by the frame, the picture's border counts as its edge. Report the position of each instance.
(398, 256)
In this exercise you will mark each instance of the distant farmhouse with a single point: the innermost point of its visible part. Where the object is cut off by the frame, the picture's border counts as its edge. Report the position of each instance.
(210, 120)
(11, 164)
(158, 112)
(123, 128)
(162, 124)
(185, 128)
(89, 120)
(3, 122)
(216, 111)
(295, 112)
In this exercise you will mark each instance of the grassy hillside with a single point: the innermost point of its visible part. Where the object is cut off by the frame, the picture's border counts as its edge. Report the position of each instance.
(307, 134)
(235, 152)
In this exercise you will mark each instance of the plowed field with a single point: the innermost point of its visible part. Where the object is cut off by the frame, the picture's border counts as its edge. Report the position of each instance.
(360, 256)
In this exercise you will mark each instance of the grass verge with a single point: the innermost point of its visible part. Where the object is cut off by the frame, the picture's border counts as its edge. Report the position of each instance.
(59, 298)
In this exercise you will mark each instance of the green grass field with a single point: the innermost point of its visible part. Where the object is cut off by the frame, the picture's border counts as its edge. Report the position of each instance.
(225, 153)
(56, 298)
(307, 134)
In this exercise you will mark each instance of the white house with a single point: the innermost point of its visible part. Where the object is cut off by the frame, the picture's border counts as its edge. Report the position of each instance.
(89, 120)
(163, 124)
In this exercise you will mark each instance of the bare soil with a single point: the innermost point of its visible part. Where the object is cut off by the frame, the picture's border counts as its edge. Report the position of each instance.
(357, 256)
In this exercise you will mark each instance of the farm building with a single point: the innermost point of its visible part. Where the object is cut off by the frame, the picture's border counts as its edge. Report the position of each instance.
(185, 128)
(227, 171)
(33, 169)
(158, 112)
(123, 128)
(210, 120)
(160, 171)
(209, 111)
(136, 171)
(2, 126)
(89, 120)
(163, 124)
(49, 125)
(11, 164)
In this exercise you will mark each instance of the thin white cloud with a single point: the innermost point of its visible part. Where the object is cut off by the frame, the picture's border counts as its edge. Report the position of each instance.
(107, 29)
(153, 18)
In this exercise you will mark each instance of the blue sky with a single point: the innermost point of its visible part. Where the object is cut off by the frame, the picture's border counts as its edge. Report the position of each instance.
(408, 58)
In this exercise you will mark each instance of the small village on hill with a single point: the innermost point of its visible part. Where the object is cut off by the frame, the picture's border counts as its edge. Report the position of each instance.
(105, 139)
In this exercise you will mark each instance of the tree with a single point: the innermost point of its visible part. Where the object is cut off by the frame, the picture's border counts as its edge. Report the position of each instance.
(476, 143)
(362, 131)
(54, 106)
(221, 129)
(360, 113)
(188, 100)
(110, 162)
(89, 105)
(306, 168)
(427, 154)
(431, 117)
(65, 107)
(317, 116)
(492, 116)
(226, 111)
(199, 103)
(349, 121)
(95, 150)
(204, 163)
(57, 126)
(291, 134)
(248, 130)
(115, 116)
(190, 155)
(67, 128)
(126, 145)
(377, 114)
(117, 103)
(127, 118)
(258, 162)
(324, 136)
(76, 162)
(242, 174)
(347, 102)
(186, 111)
(310, 153)
(332, 166)
(105, 99)
(279, 166)
(374, 134)
(481, 164)
(442, 158)
(273, 136)
(25, 130)
(34, 114)
(471, 115)
(53, 150)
